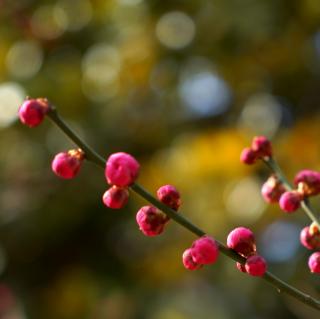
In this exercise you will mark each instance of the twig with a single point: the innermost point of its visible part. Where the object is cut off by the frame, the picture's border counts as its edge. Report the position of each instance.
(94, 157)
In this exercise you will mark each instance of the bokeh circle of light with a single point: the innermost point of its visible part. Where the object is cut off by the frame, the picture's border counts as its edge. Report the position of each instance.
(11, 96)
(280, 241)
(73, 15)
(17, 56)
(262, 114)
(205, 93)
(175, 30)
(44, 23)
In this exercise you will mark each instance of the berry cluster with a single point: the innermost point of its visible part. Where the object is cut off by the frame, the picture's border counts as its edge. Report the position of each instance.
(205, 250)
(122, 170)
(306, 182)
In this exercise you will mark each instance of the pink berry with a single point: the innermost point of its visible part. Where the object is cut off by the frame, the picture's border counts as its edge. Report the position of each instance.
(261, 146)
(248, 156)
(241, 267)
(32, 111)
(151, 220)
(188, 261)
(115, 197)
(314, 262)
(170, 196)
(272, 190)
(67, 164)
(309, 239)
(256, 265)
(205, 250)
(242, 240)
(122, 169)
(290, 201)
(308, 182)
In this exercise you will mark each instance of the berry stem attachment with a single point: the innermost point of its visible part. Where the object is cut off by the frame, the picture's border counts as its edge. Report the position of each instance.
(94, 157)
(275, 168)
(89, 153)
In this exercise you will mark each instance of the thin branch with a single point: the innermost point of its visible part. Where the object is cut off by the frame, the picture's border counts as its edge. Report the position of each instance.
(94, 157)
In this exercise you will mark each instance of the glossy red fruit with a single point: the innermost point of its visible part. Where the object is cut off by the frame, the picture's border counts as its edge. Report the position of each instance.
(33, 111)
(248, 156)
(308, 182)
(310, 239)
(67, 164)
(116, 197)
(256, 265)
(205, 250)
(290, 201)
(314, 262)
(122, 169)
(272, 190)
(242, 240)
(188, 261)
(170, 196)
(151, 220)
(261, 146)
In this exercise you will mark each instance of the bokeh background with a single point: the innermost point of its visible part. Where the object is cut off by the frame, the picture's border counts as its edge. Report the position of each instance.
(182, 85)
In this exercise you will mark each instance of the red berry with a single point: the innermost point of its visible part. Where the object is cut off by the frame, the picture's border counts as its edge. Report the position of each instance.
(242, 240)
(151, 220)
(248, 156)
(32, 111)
(170, 196)
(308, 182)
(314, 262)
(205, 250)
(261, 146)
(67, 164)
(115, 197)
(256, 265)
(188, 261)
(272, 190)
(309, 238)
(122, 169)
(290, 201)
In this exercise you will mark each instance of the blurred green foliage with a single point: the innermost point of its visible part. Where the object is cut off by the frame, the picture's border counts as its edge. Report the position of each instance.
(183, 85)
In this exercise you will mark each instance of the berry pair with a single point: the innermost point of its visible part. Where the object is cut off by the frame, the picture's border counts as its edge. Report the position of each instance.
(307, 184)
(121, 171)
(151, 220)
(65, 164)
(242, 240)
(260, 148)
(310, 238)
(204, 251)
